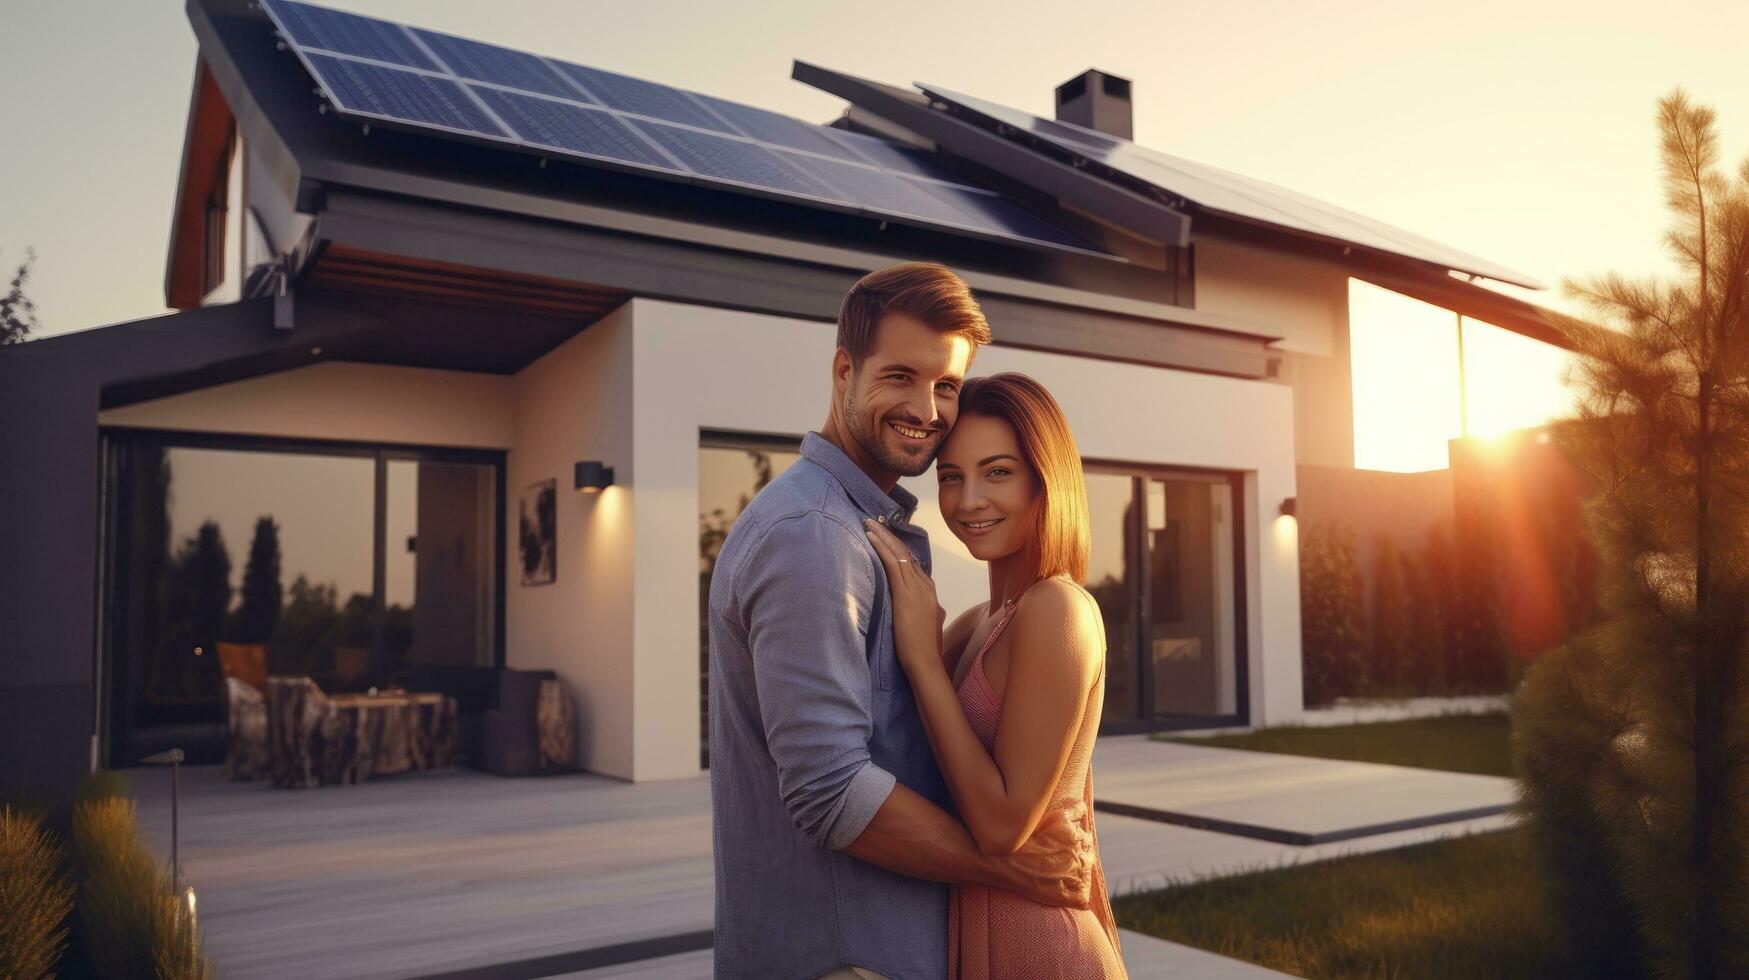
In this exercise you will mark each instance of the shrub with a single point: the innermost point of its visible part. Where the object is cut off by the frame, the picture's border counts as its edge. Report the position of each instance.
(35, 898)
(1332, 615)
(132, 923)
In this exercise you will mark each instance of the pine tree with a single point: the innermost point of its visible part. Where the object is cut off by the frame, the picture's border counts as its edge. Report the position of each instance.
(1634, 735)
(262, 594)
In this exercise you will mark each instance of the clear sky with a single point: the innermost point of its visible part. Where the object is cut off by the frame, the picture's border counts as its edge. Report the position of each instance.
(1522, 132)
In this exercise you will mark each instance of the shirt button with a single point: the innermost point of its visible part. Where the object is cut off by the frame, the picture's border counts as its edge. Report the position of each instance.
(881, 519)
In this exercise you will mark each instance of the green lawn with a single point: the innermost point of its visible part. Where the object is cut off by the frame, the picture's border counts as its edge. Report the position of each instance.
(1456, 743)
(1462, 908)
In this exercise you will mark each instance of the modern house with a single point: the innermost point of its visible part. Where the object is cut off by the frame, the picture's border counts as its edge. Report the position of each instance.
(432, 291)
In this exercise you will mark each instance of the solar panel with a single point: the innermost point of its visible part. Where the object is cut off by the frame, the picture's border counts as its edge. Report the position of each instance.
(892, 156)
(1222, 190)
(779, 130)
(499, 66)
(364, 37)
(635, 95)
(426, 80)
(395, 95)
(573, 128)
(733, 159)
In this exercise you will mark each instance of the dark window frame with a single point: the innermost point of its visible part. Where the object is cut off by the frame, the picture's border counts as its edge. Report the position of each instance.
(116, 440)
(745, 441)
(1138, 577)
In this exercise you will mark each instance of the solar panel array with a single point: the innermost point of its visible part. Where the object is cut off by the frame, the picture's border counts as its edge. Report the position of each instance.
(1222, 190)
(411, 77)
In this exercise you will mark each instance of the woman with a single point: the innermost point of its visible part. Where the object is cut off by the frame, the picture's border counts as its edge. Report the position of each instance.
(1011, 692)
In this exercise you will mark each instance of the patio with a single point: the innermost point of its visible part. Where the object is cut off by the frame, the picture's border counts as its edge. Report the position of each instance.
(455, 872)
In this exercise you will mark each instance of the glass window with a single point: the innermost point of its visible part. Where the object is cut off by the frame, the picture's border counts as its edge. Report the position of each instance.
(1111, 514)
(272, 546)
(731, 472)
(1163, 567)
(1190, 597)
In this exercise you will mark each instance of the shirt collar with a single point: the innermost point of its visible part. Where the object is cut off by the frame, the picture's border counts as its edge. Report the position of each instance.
(859, 485)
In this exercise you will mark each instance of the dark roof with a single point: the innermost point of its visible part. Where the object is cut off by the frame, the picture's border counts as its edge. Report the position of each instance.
(1203, 188)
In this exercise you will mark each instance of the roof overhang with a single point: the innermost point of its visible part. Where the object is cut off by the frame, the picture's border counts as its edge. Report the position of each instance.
(205, 140)
(1476, 302)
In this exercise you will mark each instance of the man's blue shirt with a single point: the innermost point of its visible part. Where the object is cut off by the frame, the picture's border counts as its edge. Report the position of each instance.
(811, 722)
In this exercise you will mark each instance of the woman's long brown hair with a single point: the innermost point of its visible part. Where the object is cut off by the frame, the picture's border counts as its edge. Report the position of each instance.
(1061, 537)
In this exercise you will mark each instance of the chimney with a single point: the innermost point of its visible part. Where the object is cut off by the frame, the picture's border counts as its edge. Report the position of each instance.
(1098, 101)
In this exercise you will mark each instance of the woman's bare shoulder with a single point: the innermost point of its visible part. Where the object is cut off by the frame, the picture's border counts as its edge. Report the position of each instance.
(1056, 613)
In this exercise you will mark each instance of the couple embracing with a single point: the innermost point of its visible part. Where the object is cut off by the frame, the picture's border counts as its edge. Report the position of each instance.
(893, 797)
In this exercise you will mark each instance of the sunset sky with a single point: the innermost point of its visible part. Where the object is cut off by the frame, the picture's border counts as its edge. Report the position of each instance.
(1520, 132)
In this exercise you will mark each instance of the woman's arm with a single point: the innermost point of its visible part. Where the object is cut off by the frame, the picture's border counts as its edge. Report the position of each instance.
(1054, 657)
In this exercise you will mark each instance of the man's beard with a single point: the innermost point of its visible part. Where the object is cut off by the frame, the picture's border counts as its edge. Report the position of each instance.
(872, 443)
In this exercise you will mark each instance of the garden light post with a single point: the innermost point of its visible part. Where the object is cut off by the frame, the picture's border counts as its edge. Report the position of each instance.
(173, 759)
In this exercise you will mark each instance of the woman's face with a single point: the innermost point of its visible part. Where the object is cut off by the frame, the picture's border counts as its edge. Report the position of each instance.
(987, 492)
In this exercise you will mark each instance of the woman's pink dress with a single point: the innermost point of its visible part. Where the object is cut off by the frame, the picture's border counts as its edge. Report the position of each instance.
(993, 934)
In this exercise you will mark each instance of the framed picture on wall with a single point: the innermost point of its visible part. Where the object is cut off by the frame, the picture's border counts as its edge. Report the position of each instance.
(538, 534)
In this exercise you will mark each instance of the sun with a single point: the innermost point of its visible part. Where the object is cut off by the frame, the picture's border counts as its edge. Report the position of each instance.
(1407, 401)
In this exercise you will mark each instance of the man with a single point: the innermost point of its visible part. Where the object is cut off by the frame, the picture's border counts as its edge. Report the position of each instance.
(828, 820)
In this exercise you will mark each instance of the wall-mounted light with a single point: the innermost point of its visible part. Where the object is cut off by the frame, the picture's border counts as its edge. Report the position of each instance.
(1288, 505)
(593, 476)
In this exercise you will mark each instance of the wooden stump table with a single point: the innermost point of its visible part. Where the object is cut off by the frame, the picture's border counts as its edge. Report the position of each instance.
(320, 739)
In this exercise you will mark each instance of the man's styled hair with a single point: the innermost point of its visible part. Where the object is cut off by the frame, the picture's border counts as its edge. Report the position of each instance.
(1060, 542)
(926, 291)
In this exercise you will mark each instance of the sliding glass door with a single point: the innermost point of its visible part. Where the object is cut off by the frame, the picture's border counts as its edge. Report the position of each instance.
(1167, 571)
(345, 563)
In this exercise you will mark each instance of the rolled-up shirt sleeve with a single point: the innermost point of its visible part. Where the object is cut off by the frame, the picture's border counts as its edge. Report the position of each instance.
(806, 592)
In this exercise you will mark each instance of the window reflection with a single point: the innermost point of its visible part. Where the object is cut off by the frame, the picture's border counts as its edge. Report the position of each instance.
(273, 554)
(1190, 597)
(730, 474)
(1109, 578)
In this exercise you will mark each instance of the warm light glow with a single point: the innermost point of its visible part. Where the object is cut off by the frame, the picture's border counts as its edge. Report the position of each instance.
(1405, 364)
(1286, 529)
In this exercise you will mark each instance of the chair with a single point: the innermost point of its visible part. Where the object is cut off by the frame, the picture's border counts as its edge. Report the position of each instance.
(246, 662)
(244, 667)
(246, 749)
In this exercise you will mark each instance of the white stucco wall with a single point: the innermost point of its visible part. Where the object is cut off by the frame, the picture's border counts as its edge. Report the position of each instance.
(575, 403)
(1306, 302)
(699, 368)
(1302, 299)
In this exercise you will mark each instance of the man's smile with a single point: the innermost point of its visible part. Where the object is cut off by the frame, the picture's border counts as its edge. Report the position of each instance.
(911, 434)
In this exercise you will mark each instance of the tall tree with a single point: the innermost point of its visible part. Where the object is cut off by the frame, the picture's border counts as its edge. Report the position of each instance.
(198, 594)
(262, 593)
(1652, 701)
(17, 312)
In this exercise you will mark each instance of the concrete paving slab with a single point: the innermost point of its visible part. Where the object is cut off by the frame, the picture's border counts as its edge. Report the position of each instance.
(1282, 798)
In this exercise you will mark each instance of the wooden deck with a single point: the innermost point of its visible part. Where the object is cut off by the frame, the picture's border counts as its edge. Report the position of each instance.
(455, 870)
